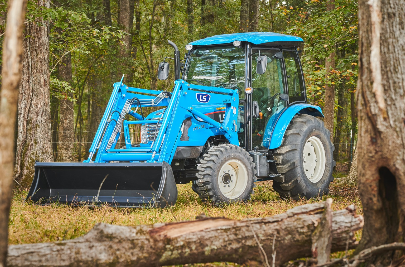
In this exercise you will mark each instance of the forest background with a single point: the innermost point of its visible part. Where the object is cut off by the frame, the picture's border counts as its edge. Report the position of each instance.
(90, 44)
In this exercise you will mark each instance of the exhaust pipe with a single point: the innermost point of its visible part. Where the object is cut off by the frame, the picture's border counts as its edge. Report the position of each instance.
(176, 60)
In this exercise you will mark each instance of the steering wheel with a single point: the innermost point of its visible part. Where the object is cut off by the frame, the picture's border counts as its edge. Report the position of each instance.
(261, 90)
(271, 100)
(261, 101)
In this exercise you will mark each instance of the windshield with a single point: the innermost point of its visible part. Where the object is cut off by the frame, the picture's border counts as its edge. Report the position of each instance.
(217, 67)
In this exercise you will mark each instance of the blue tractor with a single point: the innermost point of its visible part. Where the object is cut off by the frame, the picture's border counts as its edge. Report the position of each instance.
(237, 114)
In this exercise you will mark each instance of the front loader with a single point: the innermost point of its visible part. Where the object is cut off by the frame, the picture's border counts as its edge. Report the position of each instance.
(237, 114)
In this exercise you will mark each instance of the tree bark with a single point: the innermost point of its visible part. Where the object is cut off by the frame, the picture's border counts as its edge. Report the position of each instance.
(125, 20)
(106, 18)
(322, 236)
(66, 113)
(202, 19)
(353, 116)
(96, 105)
(253, 15)
(205, 240)
(329, 108)
(138, 17)
(340, 121)
(381, 137)
(34, 118)
(208, 16)
(244, 16)
(190, 20)
(11, 76)
(353, 169)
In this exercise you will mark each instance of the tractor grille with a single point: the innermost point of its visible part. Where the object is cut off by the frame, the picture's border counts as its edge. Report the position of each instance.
(149, 132)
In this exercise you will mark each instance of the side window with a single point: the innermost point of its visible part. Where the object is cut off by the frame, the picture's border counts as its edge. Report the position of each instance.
(267, 84)
(295, 81)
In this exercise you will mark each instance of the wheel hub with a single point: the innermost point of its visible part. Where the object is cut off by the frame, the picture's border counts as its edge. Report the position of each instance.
(226, 178)
(232, 178)
(314, 159)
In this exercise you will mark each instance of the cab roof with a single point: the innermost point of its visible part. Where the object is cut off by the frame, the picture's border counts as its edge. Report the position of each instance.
(256, 38)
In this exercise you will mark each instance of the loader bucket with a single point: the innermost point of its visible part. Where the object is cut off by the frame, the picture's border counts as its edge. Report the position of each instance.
(115, 184)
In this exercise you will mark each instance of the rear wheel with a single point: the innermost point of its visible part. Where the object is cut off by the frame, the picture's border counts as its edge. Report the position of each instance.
(305, 159)
(226, 175)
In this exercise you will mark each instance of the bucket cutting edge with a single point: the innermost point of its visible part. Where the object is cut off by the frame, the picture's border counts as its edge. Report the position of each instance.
(115, 184)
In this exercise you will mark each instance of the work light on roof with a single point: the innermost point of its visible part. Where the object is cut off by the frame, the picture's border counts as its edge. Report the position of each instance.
(189, 47)
(236, 43)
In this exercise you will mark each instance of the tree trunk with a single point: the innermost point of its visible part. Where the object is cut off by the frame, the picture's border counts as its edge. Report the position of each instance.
(353, 169)
(253, 15)
(95, 111)
(202, 19)
(208, 16)
(106, 18)
(125, 20)
(381, 140)
(34, 118)
(353, 116)
(55, 126)
(244, 16)
(66, 113)
(340, 121)
(11, 76)
(329, 108)
(190, 20)
(205, 240)
(137, 16)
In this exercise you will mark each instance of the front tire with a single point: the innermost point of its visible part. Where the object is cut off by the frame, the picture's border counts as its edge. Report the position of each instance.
(304, 160)
(226, 175)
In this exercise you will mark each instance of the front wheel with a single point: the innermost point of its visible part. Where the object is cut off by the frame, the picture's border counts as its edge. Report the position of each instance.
(226, 175)
(305, 159)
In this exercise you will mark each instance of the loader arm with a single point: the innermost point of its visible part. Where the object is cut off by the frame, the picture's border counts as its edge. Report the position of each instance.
(183, 102)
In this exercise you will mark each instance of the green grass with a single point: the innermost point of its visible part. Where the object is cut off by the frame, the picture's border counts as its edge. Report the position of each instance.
(32, 224)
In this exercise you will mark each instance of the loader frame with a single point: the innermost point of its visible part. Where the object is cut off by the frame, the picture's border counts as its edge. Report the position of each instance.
(183, 104)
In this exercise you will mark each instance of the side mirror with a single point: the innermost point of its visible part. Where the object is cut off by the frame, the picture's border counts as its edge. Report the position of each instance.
(261, 64)
(284, 97)
(256, 109)
(278, 55)
(163, 71)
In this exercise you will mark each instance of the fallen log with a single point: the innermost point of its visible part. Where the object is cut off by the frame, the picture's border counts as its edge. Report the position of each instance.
(200, 241)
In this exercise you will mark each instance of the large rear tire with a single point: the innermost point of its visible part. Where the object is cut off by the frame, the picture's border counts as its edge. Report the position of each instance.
(226, 175)
(304, 160)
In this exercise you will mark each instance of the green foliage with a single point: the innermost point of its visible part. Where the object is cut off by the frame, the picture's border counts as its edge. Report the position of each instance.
(61, 89)
(93, 39)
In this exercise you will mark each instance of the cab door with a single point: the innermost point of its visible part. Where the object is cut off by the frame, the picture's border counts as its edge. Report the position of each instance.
(268, 84)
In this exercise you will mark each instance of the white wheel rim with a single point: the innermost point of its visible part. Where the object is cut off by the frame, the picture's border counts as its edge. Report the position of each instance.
(314, 159)
(232, 178)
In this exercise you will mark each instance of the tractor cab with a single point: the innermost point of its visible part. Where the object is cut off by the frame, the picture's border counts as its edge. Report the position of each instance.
(264, 67)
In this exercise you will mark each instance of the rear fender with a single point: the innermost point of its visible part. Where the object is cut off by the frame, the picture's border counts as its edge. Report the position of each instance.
(285, 119)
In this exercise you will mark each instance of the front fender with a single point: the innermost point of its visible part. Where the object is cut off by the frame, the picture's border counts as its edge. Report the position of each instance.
(285, 119)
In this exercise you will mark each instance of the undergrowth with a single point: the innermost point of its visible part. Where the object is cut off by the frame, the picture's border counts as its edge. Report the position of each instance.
(31, 223)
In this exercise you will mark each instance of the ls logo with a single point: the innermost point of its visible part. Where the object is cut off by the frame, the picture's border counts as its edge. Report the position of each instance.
(203, 98)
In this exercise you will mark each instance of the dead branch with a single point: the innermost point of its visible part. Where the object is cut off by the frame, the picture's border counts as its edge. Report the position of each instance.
(322, 236)
(363, 255)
